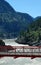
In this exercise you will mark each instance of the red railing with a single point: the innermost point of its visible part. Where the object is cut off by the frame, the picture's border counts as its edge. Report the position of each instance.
(20, 51)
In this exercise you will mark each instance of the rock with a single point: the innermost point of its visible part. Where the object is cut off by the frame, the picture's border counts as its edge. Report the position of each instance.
(22, 41)
(2, 43)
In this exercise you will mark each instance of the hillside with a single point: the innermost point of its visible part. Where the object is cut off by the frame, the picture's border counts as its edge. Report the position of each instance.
(32, 36)
(11, 21)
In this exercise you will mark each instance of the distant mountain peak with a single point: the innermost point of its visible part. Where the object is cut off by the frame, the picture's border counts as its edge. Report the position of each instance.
(5, 7)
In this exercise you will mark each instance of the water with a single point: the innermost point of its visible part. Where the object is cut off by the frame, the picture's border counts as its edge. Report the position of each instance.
(18, 61)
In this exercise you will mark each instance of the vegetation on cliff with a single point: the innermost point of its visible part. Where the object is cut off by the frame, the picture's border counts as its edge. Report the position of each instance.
(32, 36)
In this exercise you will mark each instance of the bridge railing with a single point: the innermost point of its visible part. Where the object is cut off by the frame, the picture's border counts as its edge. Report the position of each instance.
(20, 50)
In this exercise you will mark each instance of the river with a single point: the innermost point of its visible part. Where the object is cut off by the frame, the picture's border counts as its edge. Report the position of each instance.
(18, 61)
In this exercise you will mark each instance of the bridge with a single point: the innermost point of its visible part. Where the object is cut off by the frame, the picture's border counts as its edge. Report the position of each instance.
(20, 51)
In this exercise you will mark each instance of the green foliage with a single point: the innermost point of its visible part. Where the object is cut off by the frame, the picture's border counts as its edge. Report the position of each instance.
(33, 32)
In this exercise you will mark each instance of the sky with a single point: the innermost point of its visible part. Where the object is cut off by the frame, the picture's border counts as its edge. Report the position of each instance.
(31, 7)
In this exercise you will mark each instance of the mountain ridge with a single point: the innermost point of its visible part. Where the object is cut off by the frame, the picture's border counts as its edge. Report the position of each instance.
(11, 21)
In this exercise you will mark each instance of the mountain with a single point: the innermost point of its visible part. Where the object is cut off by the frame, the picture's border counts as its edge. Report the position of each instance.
(32, 36)
(11, 21)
